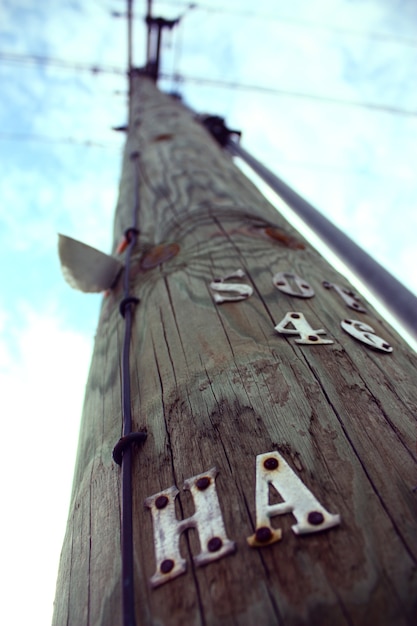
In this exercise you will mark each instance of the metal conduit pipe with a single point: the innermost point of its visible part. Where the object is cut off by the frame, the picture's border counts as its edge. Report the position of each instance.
(401, 302)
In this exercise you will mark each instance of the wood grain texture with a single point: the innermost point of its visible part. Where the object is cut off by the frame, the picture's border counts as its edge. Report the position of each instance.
(215, 386)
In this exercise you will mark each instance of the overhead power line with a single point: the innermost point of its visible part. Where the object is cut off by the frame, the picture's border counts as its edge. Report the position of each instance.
(214, 82)
(88, 143)
(37, 59)
(303, 23)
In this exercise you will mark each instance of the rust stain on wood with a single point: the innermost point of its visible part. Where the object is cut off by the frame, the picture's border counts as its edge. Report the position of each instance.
(287, 240)
(158, 255)
(163, 137)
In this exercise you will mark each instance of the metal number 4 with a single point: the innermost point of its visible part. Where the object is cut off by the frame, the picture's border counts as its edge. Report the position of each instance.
(301, 327)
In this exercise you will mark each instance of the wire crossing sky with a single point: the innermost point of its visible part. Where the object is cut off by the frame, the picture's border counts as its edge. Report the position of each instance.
(289, 77)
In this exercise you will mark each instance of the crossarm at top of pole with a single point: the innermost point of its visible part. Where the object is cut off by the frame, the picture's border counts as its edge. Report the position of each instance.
(401, 302)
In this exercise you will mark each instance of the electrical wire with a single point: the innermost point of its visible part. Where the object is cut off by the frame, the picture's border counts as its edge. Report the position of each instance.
(122, 453)
(43, 60)
(38, 59)
(87, 143)
(216, 82)
(303, 23)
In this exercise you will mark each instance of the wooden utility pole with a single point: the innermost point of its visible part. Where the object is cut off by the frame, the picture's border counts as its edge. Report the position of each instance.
(326, 429)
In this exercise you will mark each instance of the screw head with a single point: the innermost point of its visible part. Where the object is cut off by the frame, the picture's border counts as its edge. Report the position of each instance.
(313, 338)
(214, 544)
(315, 518)
(271, 463)
(295, 316)
(167, 566)
(386, 346)
(202, 483)
(263, 534)
(161, 502)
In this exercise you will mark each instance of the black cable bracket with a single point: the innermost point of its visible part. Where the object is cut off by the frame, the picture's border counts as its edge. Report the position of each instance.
(131, 232)
(125, 442)
(130, 301)
(217, 128)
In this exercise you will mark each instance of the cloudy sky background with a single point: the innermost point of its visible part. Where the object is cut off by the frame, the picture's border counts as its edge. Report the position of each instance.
(60, 165)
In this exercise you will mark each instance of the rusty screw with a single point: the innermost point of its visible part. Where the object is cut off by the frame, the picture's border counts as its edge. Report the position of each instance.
(315, 518)
(295, 316)
(161, 502)
(313, 338)
(214, 544)
(271, 463)
(263, 534)
(203, 483)
(167, 566)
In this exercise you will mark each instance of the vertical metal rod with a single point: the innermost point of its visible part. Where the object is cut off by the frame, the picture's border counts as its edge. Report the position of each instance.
(401, 302)
(158, 50)
(148, 40)
(129, 35)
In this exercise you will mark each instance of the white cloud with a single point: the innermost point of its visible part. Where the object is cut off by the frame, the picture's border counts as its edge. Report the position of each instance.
(81, 206)
(42, 375)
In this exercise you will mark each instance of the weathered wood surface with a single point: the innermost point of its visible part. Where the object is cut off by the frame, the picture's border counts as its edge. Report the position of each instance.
(215, 386)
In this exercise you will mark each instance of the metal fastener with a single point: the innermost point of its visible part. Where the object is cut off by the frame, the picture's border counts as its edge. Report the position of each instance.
(315, 518)
(167, 566)
(202, 483)
(263, 534)
(161, 502)
(214, 544)
(271, 463)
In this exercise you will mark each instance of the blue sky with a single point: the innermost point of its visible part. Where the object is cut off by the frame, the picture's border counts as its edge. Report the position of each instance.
(60, 164)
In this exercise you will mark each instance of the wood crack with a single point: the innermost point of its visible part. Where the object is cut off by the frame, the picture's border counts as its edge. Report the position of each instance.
(362, 463)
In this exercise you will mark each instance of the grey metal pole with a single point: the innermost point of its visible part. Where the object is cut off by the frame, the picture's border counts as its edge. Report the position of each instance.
(401, 302)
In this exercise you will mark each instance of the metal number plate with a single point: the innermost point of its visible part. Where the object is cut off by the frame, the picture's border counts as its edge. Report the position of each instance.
(308, 335)
(348, 296)
(281, 282)
(230, 292)
(366, 334)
